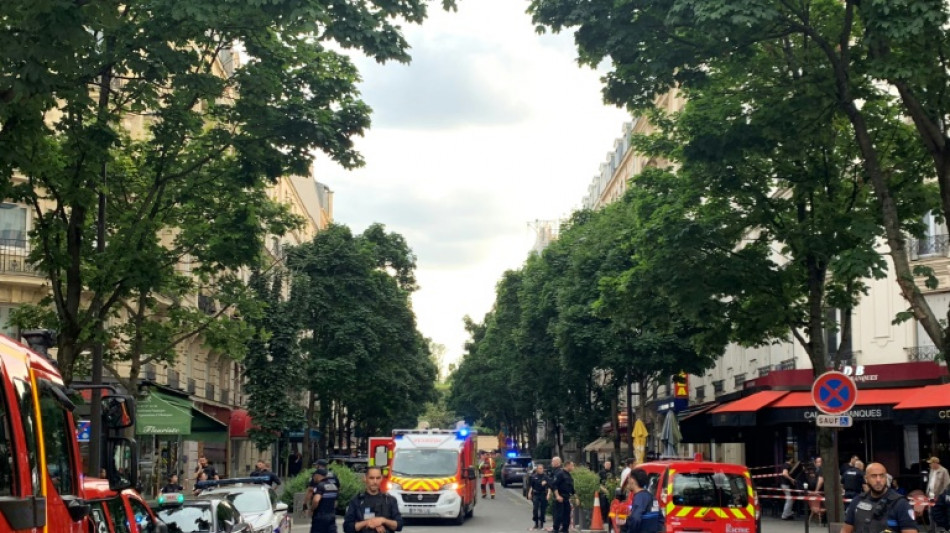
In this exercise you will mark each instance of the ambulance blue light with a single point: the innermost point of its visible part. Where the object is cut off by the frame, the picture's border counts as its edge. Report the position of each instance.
(463, 433)
(512, 454)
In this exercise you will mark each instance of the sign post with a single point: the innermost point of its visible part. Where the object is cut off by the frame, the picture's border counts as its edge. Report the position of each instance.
(834, 394)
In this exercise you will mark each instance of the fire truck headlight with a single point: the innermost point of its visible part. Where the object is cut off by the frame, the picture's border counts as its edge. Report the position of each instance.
(395, 486)
(450, 486)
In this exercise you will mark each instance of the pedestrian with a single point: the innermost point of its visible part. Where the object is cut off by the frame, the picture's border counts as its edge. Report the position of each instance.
(938, 480)
(880, 508)
(556, 468)
(172, 485)
(618, 511)
(202, 476)
(372, 510)
(644, 516)
(786, 482)
(606, 474)
(538, 488)
(206, 467)
(563, 488)
(819, 478)
(262, 470)
(296, 463)
(852, 480)
(854, 459)
(941, 510)
(627, 468)
(323, 503)
(487, 469)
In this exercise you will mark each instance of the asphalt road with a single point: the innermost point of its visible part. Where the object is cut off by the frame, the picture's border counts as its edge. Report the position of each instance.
(509, 512)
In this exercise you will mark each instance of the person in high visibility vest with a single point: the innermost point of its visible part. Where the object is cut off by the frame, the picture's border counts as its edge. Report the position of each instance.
(618, 511)
(487, 469)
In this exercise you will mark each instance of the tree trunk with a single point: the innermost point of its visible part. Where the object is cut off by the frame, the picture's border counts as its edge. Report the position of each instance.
(615, 421)
(308, 424)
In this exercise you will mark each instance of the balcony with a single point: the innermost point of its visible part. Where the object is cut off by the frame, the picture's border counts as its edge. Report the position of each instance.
(173, 379)
(209, 391)
(13, 258)
(922, 353)
(934, 245)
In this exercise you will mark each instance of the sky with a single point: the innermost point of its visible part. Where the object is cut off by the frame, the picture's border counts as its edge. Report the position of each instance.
(490, 128)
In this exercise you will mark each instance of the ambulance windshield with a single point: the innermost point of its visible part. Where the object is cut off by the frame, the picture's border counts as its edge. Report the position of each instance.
(427, 463)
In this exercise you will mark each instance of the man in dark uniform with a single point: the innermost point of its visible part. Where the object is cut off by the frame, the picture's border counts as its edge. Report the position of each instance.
(373, 511)
(552, 479)
(941, 510)
(880, 509)
(312, 483)
(538, 485)
(852, 479)
(261, 470)
(563, 488)
(324, 503)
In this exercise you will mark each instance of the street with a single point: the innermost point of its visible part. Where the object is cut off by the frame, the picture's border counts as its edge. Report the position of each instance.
(510, 512)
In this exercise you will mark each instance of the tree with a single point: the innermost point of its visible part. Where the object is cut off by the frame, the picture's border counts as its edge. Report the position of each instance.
(143, 111)
(368, 368)
(273, 366)
(852, 46)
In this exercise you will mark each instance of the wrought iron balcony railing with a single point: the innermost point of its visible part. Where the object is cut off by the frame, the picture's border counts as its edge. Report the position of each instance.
(13, 257)
(921, 353)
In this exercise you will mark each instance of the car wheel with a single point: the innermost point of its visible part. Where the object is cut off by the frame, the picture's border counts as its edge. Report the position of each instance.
(471, 510)
(460, 519)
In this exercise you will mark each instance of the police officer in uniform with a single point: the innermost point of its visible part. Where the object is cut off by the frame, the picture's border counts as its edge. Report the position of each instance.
(880, 509)
(851, 480)
(538, 485)
(373, 511)
(323, 503)
(563, 488)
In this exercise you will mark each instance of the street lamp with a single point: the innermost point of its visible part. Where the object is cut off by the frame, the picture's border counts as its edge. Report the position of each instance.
(39, 340)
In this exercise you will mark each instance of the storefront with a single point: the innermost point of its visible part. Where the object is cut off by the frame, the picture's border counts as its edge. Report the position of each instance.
(897, 418)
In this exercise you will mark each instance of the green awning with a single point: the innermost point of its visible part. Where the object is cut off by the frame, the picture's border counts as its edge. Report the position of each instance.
(166, 415)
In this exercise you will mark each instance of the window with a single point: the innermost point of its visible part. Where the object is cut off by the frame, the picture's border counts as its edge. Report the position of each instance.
(189, 518)
(99, 518)
(701, 392)
(12, 225)
(58, 435)
(24, 392)
(708, 489)
(739, 380)
(718, 386)
(120, 522)
(142, 517)
(5, 326)
(7, 466)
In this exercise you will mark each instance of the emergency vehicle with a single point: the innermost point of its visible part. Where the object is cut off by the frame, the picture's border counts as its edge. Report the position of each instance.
(41, 482)
(703, 496)
(431, 472)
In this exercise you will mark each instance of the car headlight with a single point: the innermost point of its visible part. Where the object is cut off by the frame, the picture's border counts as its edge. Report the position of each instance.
(450, 486)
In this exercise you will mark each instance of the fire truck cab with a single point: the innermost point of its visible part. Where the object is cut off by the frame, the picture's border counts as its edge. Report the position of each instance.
(41, 480)
(431, 472)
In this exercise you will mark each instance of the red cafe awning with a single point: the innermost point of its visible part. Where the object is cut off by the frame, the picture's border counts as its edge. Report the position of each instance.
(865, 397)
(930, 397)
(751, 403)
(240, 424)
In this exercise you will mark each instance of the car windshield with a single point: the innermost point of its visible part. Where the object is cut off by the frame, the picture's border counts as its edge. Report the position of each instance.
(425, 462)
(187, 518)
(250, 501)
(708, 489)
(519, 462)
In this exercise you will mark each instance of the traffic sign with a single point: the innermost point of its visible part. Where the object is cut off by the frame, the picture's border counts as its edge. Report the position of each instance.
(83, 428)
(834, 393)
(834, 421)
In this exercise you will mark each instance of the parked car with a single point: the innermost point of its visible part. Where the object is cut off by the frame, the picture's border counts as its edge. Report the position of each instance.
(207, 515)
(705, 496)
(525, 483)
(112, 511)
(254, 499)
(514, 469)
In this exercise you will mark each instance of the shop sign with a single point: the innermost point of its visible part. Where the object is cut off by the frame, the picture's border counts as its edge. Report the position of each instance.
(857, 373)
(872, 413)
(834, 421)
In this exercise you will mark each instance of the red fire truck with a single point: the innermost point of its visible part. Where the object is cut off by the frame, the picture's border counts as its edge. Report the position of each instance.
(431, 472)
(41, 483)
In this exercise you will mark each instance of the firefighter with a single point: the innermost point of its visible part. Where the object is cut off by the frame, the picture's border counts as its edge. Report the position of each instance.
(880, 509)
(323, 503)
(487, 468)
(538, 485)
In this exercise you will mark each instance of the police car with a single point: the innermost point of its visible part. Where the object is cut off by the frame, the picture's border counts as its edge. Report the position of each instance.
(209, 515)
(254, 499)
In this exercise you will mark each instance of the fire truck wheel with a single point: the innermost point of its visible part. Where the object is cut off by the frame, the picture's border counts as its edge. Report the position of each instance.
(471, 510)
(460, 519)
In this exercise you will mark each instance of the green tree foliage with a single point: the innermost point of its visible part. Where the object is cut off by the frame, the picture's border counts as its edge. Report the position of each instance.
(861, 61)
(146, 105)
(365, 360)
(273, 366)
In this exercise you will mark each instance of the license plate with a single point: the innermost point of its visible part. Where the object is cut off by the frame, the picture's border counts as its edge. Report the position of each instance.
(419, 510)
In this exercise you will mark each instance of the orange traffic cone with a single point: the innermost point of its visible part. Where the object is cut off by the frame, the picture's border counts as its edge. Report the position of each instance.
(596, 519)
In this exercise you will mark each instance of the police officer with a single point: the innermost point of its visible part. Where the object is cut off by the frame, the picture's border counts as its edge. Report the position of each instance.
(324, 503)
(880, 509)
(538, 485)
(644, 514)
(563, 488)
(373, 511)
(852, 479)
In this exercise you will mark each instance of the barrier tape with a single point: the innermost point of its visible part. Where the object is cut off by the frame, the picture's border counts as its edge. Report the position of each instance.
(758, 476)
(811, 496)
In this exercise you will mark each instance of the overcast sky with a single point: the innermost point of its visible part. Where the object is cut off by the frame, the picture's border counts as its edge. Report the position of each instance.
(491, 126)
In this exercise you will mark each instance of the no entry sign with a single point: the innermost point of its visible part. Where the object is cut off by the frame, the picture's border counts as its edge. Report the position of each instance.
(834, 393)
